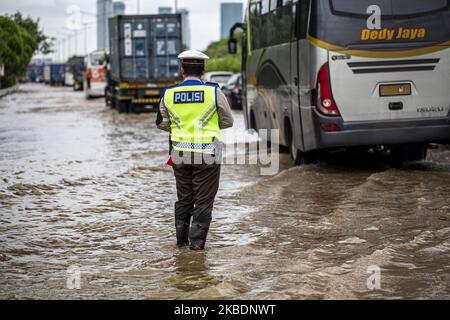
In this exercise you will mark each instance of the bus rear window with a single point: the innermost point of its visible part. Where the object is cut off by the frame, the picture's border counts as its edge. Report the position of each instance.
(388, 7)
(97, 60)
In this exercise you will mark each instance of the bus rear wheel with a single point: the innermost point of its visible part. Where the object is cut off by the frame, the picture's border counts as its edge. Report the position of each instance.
(417, 152)
(297, 156)
(302, 158)
(409, 153)
(253, 124)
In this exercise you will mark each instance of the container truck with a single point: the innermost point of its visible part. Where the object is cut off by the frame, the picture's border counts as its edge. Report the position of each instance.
(143, 60)
(54, 74)
(36, 70)
(76, 68)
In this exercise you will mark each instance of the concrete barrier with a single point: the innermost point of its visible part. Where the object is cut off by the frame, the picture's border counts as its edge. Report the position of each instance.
(4, 92)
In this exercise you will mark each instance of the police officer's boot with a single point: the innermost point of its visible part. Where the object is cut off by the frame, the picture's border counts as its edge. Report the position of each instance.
(182, 229)
(197, 235)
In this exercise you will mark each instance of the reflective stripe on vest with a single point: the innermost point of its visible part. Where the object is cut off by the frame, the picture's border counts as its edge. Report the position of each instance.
(193, 116)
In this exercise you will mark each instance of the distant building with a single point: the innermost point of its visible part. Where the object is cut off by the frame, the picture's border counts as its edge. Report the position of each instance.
(164, 10)
(106, 9)
(186, 28)
(185, 23)
(230, 13)
(119, 8)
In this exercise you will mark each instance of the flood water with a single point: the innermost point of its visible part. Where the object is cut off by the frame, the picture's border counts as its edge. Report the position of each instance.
(82, 186)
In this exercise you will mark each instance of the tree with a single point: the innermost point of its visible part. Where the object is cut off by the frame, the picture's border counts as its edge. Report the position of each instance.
(43, 43)
(221, 60)
(20, 39)
(17, 47)
(11, 50)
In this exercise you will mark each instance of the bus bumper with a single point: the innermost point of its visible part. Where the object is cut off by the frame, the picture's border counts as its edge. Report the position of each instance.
(334, 132)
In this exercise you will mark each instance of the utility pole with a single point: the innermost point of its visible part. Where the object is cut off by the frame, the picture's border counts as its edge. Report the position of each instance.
(58, 45)
(69, 47)
(56, 53)
(176, 6)
(86, 24)
(60, 55)
(61, 48)
(69, 36)
(76, 42)
(85, 37)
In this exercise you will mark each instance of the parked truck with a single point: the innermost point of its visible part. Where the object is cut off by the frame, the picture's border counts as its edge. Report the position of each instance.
(36, 70)
(143, 60)
(54, 74)
(76, 69)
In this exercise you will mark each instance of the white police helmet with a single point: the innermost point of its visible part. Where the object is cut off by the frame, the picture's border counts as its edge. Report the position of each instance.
(193, 55)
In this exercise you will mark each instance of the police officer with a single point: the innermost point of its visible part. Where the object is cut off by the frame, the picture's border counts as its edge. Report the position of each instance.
(194, 113)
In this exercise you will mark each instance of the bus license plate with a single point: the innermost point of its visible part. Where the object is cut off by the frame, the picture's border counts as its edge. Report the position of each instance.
(391, 90)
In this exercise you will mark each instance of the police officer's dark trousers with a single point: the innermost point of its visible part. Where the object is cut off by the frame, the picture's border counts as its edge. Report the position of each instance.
(197, 186)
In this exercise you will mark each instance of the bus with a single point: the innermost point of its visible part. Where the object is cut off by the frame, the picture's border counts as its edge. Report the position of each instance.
(94, 82)
(342, 74)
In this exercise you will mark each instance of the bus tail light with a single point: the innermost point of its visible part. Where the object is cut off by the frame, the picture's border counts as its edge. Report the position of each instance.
(89, 73)
(325, 102)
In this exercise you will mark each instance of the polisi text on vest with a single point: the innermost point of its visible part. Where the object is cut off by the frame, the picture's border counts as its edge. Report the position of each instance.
(189, 97)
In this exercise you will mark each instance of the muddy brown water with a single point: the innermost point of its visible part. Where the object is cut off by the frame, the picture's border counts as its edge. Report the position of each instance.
(82, 186)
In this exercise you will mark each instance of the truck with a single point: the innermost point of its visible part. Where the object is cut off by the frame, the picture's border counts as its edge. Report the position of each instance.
(54, 74)
(95, 76)
(143, 60)
(36, 70)
(75, 71)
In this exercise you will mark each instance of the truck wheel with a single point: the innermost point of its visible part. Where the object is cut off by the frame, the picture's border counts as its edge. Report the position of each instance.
(133, 109)
(108, 99)
(122, 106)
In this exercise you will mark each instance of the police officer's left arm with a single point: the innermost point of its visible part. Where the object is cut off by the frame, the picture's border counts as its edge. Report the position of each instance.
(224, 110)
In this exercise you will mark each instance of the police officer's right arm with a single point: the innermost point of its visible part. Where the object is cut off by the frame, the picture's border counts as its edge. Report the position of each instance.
(164, 123)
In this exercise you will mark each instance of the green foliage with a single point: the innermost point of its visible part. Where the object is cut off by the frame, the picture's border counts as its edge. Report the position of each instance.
(221, 60)
(20, 39)
(11, 51)
(43, 43)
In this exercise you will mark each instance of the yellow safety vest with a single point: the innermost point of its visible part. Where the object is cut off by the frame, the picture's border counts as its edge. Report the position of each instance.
(192, 108)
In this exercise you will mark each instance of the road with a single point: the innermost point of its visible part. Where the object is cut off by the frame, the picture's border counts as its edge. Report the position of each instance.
(85, 190)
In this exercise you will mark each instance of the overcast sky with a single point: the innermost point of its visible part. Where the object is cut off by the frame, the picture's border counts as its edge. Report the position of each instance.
(204, 17)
